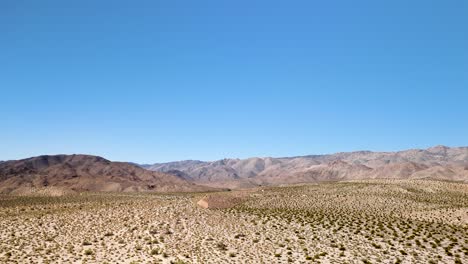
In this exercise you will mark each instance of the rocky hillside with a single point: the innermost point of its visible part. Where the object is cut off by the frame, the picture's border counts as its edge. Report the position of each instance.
(70, 173)
(438, 162)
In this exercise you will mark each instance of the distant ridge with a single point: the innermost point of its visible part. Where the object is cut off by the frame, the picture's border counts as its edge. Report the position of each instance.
(77, 173)
(438, 162)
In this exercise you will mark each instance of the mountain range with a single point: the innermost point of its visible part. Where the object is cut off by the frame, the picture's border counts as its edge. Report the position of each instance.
(76, 173)
(439, 162)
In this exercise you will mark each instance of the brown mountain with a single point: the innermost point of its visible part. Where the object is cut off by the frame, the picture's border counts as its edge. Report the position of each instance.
(65, 173)
(439, 162)
(337, 170)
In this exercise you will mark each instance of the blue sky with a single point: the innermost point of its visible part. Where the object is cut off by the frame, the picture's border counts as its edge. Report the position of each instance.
(153, 81)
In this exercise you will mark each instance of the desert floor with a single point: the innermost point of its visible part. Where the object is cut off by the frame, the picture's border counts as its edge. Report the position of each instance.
(375, 221)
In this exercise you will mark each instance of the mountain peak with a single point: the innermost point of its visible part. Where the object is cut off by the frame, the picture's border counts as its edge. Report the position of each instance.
(438, 149)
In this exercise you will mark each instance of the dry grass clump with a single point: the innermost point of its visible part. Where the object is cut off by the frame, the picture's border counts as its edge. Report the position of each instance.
(379, 221)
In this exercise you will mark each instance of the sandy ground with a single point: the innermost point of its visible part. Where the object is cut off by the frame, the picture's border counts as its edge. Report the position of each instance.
(384, 221)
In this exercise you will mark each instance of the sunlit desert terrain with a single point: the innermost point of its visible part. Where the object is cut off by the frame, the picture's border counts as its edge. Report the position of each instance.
(377, 221)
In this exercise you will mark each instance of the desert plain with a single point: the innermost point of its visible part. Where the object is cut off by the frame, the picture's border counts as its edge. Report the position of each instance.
(364, 221)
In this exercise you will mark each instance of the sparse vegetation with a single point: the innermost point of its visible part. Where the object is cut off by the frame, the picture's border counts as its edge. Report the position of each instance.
(394, 221)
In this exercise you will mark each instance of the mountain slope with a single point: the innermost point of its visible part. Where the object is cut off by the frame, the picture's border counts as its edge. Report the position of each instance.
(85, 173)
(439, 162)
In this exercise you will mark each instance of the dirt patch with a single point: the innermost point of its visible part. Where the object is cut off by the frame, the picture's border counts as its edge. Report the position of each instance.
(220, 201)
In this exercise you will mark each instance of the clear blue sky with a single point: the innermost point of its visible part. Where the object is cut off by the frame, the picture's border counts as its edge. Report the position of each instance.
(152, 81)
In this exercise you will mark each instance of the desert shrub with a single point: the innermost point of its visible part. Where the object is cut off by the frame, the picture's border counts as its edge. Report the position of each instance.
(221, 246)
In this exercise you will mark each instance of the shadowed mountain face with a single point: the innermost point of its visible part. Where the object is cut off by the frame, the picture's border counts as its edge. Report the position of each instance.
(438, 162)
(85, 173)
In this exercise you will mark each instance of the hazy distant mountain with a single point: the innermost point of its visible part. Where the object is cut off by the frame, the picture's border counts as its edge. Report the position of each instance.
(438, 162)
(64, 173)
(85, 173)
